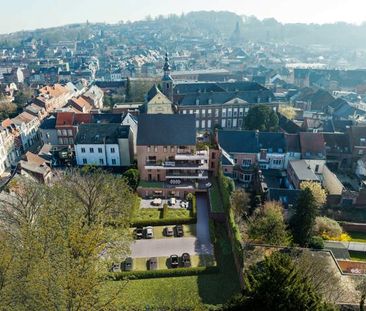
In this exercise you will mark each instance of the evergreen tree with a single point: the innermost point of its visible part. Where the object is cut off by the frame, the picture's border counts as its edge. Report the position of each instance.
(262, 118)
(302, 223)
(128, 91)
(276, 284)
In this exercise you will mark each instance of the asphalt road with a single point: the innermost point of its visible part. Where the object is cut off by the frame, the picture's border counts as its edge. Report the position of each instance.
(193, 245)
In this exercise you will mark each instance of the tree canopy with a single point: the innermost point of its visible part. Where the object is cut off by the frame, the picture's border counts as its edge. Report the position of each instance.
(317, 190)
(262, 118)
(55, 242)
(277, 284)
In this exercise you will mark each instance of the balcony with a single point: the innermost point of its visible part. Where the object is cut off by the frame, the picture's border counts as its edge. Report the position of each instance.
(199, 155)
(168, 165)
(186, 175)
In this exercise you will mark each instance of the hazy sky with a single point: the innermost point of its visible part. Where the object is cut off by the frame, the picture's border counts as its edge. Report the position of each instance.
(29, 14)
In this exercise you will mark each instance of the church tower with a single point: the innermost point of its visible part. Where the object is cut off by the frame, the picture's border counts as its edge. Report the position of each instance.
(167, 81)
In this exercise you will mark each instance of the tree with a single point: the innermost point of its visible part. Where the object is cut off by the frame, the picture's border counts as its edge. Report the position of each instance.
(7, 110)
(261, 117)
(268, 225)
(287, 111)
(302, 222)
(59, 242)
(361, 288)
(240, 202)
(128, 90)
(317, 191)
(327, 228)
(132, 177)
(277, 284)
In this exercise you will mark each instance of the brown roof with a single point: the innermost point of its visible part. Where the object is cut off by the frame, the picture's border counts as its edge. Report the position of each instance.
(33, 158)
(80, 103)
(312, 144)
(54, 90)
(292, 142)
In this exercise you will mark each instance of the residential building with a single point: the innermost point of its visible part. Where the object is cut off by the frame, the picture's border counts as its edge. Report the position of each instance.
(107, 145)
(168, 159)
(28, 125)
(312, 146)
(48, 131)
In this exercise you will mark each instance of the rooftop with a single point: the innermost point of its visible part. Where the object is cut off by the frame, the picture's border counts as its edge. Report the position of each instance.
(101, 133)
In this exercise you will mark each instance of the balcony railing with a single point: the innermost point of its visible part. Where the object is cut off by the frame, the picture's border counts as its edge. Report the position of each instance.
(185, 175)
(175, 165)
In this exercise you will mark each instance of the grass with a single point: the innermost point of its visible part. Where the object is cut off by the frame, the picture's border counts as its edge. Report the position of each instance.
(154, 213)
(357, 236)
(358, 256)
(216, 201)
(184, 293)
(189, 231)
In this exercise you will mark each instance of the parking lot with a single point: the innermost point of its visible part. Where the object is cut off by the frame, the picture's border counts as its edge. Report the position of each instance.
(147, 203)
(162, 247)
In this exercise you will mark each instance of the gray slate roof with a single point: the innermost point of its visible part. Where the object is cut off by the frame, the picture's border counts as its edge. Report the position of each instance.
(95, 133)
(166, 129)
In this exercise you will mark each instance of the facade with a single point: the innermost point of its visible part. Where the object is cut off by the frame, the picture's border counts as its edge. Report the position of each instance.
(167, 155)
(28, 128)
(108, 145)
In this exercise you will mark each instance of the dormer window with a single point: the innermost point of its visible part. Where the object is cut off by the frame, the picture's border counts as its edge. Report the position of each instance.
(197, 101)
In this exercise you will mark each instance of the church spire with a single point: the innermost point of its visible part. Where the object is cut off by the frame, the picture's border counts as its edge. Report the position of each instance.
(166, 65)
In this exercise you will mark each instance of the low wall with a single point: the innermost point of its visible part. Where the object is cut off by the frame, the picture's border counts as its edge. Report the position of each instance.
(353, 267)
(353, 226)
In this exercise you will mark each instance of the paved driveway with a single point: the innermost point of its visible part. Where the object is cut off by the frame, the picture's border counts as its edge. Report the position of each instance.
(192, 245)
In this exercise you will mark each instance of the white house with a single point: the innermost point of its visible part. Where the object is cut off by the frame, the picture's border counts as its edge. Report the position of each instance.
(28, 127)
(104, 145)
(131, 121)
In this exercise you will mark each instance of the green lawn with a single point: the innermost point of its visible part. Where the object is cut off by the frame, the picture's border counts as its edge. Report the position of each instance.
(216, 201)
(357, 236)
(173, 293)
(151, 184)
(154, 213)
(359, 256)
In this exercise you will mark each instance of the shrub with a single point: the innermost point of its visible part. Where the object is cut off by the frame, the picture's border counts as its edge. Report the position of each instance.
(194, 206)
(118, 276)
(165, 211)
(316, 242)
(328, 228)
(163, 222)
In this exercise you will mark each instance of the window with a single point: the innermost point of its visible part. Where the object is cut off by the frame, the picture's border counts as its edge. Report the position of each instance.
(69, 132)
(101, 161)
(247, 162)
(235, 160)
(229, 123)
(317, 168)
(91, 150)
(362, 141)
(209, 124)
(216, 113)
(235, 112)
(82, 150)
(197, 123)
(235, 122)
(223, 123)
(276, 161)
(203, 113)
(241, 110)
(246, 110)
(71, 141)
(197, 113)
(59, 133)
(230, 112)
(64, 132)
(155, 149)
(148, 148)
(209, 112)
(203, 124)
(190, 111)
(113, 150)
(240, 123)
(171, 148)
(184, 111)
(61, 141)
(114, 162)
(100, 150)
(165, 149)
(224, 113)
(85, 161)
(247, 177)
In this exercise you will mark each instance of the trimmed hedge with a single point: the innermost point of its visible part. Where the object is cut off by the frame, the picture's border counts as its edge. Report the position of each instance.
(163, 222)
(194, 207)
(136, 275)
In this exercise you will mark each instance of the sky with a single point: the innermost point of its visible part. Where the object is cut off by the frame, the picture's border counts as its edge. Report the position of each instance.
(32, 14)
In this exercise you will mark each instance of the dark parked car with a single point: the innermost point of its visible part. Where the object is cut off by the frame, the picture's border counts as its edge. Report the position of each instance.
(186, 260)
(116, 267)
(139, 233)
(174, 261)
(179, 231)
(128, 266)
(153, 263)
(168, 231)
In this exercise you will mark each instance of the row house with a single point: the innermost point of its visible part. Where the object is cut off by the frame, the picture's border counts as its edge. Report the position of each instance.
(28, 125)
(106, 145)
(169, 162)
(52, 97)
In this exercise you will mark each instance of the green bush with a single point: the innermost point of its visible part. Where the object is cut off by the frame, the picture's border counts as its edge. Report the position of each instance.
(194, 206)
(316, 242)
(163, 222)
(118, 276)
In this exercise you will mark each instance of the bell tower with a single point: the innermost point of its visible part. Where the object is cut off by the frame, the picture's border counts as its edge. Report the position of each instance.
(167, 81)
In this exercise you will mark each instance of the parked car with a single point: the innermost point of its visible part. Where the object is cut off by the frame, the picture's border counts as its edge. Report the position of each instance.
(172, 201)
(149, 233)
(156, 202)
(152, 263)
(116, 267)
(179, 231)
(174, 261)
(168, 231)
(139, 233)
(184, 204)
(186, 260)
(128, 265)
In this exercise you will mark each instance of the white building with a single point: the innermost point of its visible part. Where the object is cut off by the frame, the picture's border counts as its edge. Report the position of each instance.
(104, 145)
(28, 127)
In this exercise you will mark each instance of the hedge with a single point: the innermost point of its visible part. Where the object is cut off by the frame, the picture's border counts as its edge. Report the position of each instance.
(163, 222)
(118, 276)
